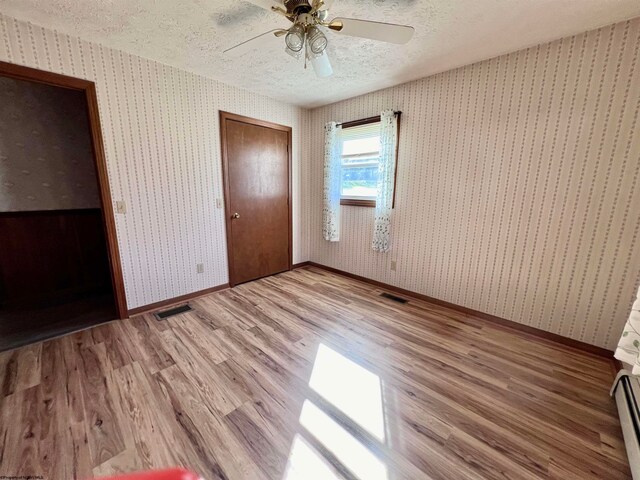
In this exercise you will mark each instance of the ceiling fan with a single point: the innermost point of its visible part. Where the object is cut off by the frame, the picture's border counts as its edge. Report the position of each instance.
(306, 37)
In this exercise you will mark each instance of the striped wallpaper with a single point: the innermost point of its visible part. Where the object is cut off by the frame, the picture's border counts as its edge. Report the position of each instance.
(517, 189)
(161, 136)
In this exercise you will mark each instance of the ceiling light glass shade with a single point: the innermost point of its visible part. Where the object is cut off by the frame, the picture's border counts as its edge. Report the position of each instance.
(316, 40)
(295, 38)
(322, 65)
(293, 53)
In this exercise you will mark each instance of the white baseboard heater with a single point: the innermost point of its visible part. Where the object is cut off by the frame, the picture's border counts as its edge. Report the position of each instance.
(626, 391)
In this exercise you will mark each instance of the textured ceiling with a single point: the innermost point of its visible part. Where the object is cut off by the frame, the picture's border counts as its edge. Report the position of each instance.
(191, 34)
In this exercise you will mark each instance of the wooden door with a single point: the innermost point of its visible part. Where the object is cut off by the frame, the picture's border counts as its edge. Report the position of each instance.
(256, 159)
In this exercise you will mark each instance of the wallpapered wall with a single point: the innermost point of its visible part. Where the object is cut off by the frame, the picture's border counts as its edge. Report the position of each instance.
(46, 161)
(517, 189)
(517, 177)
(161, 137)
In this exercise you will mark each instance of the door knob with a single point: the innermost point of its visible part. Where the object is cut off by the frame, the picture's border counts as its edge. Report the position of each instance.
(235, 215)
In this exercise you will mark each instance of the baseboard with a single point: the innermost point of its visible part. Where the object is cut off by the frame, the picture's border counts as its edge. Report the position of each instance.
(174, 300)
(497, 321)
(189, 296)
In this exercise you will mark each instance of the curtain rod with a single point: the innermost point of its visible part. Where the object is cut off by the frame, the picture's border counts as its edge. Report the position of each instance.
(369, 119)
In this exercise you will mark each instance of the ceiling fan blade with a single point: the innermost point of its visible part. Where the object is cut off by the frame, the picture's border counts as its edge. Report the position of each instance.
(384, 32)
(250, 44)
(322, 65)
(266, 4)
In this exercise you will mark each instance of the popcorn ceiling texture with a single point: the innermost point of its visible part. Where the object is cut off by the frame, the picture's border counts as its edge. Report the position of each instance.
(518, 186)
(191, 35)
(162, 143)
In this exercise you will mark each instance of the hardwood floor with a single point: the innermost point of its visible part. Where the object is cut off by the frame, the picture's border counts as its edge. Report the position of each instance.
(308, 375)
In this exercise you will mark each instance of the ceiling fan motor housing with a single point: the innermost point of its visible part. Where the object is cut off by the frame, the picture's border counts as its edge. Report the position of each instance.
(297, 7)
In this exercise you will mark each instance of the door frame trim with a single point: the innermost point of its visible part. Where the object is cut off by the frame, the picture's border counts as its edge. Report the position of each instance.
(224, 116)
(89, 88)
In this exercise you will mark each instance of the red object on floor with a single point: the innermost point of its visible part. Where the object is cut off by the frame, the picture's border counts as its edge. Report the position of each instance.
(172, 474)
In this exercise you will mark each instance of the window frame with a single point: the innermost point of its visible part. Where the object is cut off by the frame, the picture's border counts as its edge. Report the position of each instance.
(361, 202)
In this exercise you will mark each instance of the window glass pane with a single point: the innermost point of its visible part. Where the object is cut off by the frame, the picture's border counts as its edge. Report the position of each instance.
(361, 145)
(360, 155)
(360, 161)
(359, 181)
(361, 131)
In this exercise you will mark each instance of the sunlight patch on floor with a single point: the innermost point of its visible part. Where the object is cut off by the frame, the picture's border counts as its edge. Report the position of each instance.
(305, 463)
(356, 393)
(351, 388)
(351, 453)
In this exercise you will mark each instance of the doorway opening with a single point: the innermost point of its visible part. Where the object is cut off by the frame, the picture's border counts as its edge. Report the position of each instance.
(59, 262)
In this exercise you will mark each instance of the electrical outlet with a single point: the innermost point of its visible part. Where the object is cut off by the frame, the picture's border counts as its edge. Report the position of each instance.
(200, 268)
(393, 265)
(121, 207)
(218, 203)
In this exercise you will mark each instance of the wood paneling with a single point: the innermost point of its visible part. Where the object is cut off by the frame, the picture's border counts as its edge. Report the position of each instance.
(220, 390)
(54, 275)
(52, 254)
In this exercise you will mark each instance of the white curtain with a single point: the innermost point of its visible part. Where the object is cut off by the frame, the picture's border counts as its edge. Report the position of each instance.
(386, 173)
(628, 350)
(332, 179)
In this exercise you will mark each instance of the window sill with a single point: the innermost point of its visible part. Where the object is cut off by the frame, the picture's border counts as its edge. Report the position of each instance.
(354, 202)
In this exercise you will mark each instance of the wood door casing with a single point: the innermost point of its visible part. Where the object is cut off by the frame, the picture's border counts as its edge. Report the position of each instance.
(256, 159)
(88, 87)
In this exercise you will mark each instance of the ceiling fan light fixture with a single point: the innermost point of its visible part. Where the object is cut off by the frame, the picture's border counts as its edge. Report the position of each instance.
(293, 53)
(295, 38)
(322, 65)
(316, 40)
(307, 38)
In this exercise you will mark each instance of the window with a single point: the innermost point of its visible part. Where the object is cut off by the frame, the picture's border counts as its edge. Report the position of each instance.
(360, 155)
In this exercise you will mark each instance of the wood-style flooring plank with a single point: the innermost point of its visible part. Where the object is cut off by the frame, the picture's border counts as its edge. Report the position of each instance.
(295, 371)
(104, 430)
